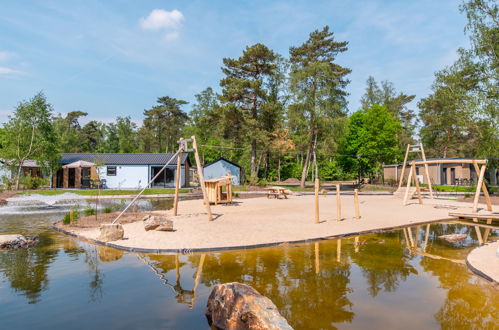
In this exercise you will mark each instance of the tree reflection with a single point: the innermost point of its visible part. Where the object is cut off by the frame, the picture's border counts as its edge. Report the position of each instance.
(26, 268)
(471, 302)
(384, 261)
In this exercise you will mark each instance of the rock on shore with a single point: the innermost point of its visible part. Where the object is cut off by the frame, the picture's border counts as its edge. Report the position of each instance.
(239, 306)
(16, 241)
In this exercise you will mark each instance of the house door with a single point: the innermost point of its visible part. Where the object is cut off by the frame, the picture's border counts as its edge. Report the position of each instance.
(453, 176)
(165, 179)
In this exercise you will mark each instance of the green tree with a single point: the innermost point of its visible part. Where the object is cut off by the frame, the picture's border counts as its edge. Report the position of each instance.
(245, 96)
(396, 103)
(30, 134)
(371, 140)
(126, 131)
(163, 124)
(318, 85)
(69, 130)
(93, 137)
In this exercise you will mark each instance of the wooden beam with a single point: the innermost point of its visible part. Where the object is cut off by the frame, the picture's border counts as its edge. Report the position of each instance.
(338, 203)
(338, 250)
(317, 264)
(416, 181)
(406, 195)
(478, 188)
(484, 188)
(177, 183)
(481, 225)
(201, 178)
(427, 171)
(316, 200)
(356, 202)
(403, 165)
(427, 234)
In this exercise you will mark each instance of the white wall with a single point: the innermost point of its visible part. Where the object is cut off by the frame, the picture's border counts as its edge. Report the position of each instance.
(221, 168)
(127, 176)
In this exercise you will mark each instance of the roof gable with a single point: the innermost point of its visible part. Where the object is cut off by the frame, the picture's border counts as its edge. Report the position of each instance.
(221, 159)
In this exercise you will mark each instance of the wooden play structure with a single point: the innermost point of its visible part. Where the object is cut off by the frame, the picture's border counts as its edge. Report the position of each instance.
(183, 147)
(219, 190)
(479, 165)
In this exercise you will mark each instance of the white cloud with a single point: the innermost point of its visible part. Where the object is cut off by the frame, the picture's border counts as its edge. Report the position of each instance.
(9, 71)
(162, 19)
(5, 55)
(171, 36)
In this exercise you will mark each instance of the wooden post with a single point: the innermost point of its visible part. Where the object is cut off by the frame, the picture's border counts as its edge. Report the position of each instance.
(201, 178)
(356, 202)
(177, 183)
(427, 234)
(78, 177)
(406, 239)
(177, 269)
(484, 188)
(418, 189)
(426, 171)
(317, 264)
(479, 235)
(338, 250)
(338, 203)
(65, 177)
(409, 233)
(316, 200)
(478, 188)
(197, 279)
(406, 195)
(403, 165)
(487, 231)
(356, 244)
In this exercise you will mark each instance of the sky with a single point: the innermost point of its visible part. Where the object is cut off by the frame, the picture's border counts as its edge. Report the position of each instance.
(115, 58)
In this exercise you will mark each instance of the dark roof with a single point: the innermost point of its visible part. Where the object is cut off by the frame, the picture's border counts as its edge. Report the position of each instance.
(219, 159)
(457, 159)
(123, 158)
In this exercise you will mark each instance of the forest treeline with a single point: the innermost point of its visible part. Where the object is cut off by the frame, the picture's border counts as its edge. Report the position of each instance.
(286, 115)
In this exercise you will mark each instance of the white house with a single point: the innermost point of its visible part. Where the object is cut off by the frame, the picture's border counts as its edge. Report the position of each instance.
(222, 167)
(122, 170)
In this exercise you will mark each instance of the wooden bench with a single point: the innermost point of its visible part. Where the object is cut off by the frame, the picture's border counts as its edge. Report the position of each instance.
(276, 192)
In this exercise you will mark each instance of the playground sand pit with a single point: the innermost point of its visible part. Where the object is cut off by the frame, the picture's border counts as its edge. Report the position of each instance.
(260, 221)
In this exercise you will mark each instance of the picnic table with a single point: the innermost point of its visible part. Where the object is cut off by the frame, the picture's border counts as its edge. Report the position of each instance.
(276, 192)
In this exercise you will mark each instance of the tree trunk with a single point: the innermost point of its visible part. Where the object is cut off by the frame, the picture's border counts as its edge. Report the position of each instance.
(279, 168)
(253, 172)
(18, 175)
(306, 165)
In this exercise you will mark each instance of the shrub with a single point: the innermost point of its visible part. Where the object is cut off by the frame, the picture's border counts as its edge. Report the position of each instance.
(89, 211)
(108, 209)
(33, 182)
(67, 217)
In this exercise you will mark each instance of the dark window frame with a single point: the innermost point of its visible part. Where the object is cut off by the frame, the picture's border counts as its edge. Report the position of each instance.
(109, 173)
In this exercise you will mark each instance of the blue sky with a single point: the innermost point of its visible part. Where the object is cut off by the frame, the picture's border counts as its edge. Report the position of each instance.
(111, 58)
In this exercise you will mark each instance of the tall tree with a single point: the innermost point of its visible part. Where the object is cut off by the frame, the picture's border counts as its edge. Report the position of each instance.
(318, 85)
(30, 134)
(163, 123)
(395, 102)
(69, 131)
(371, 140)
(126, 130)
(245, 94)
(93, 137)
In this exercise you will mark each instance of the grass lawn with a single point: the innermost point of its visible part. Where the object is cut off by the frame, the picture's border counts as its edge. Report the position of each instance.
(103, 192)
(471, 189)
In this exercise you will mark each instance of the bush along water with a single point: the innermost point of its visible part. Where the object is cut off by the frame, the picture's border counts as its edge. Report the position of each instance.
(71, 217)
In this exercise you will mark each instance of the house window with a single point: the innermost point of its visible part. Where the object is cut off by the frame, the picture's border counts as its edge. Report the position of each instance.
(111, 171)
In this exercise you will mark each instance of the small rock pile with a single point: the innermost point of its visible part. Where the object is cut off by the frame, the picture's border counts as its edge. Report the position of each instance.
(152, 222)
(453, 237)
(8, 242)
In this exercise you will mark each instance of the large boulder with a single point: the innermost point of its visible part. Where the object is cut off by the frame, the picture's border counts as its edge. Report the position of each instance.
(16, 241)
(165, 225)
(111, 232)
(152, 222)
(239, 306)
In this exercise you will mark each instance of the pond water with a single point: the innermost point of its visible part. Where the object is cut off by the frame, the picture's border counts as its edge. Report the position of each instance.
(377, 284)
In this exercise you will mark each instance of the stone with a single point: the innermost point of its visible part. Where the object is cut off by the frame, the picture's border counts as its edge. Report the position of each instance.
(16, 241)
(111, 232)
(150, 222)
(453, 237)
(239, 306)
(165, 225)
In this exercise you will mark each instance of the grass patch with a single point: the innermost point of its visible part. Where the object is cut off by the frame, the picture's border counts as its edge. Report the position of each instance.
(470, 189)
(105, 192)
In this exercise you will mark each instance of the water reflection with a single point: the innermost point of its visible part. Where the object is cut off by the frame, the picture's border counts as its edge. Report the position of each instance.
(408, 277)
